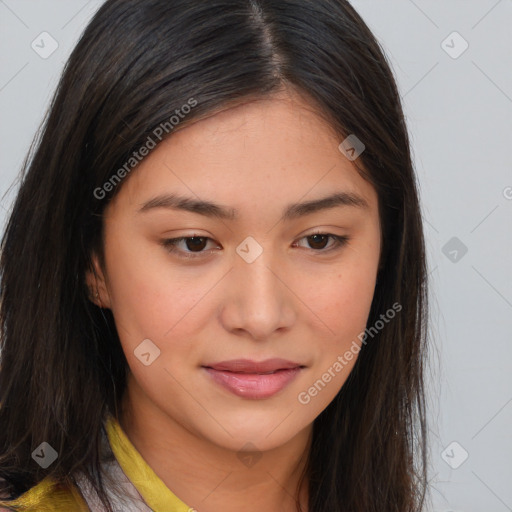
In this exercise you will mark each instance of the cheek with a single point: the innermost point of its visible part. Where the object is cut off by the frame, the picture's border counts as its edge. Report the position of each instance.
(342, 299)
(342, 306)
(151, 299)
(341, 292)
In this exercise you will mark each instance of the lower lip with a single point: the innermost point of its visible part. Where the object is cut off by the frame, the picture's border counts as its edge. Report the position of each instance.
(254, 385)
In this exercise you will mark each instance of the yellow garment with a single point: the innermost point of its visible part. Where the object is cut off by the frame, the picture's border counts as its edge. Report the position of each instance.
(47, 496)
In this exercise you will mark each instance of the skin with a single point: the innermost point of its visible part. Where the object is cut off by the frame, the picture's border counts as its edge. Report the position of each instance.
(302, 299)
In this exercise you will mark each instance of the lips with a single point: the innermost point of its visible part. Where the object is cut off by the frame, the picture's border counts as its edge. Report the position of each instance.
(248, 366)
(253, 379)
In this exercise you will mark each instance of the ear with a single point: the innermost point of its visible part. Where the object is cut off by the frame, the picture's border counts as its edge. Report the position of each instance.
(96, 282)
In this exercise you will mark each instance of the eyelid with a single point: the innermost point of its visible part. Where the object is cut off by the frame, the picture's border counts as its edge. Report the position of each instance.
(170, 244)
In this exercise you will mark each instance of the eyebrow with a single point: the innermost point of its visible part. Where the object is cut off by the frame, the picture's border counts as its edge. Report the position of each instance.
(292, 211)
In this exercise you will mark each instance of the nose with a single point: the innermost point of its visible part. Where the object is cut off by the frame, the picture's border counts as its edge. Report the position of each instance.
(258, 299)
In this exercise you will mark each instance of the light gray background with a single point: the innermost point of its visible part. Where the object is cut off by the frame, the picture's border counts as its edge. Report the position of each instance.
(459, 112)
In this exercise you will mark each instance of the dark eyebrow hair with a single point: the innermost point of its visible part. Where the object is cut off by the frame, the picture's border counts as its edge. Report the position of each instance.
(292, 211)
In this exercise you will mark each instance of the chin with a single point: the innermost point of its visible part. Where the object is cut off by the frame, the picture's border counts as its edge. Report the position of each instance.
(265, 432)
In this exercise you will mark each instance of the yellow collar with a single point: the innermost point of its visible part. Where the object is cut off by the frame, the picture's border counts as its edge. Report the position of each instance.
(48, 496)
(155, 493)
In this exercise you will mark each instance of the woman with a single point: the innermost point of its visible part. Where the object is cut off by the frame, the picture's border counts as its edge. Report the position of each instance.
(213, 277)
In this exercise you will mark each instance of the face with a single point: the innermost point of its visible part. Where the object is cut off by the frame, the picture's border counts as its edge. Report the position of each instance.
(234, 316)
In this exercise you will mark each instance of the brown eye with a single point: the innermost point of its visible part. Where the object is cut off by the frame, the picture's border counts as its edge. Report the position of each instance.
(194, 245)
(318, 242)
(195, 242)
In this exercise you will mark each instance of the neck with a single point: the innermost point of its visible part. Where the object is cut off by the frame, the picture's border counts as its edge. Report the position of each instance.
(209, 477)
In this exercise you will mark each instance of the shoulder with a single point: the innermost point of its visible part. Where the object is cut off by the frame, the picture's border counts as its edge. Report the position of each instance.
(47, 496)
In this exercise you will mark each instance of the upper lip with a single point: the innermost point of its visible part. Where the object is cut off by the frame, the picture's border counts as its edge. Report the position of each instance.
(249, 366)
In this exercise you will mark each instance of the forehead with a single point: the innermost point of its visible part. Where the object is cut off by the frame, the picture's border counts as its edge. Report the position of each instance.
(266, 151)
(266, 127)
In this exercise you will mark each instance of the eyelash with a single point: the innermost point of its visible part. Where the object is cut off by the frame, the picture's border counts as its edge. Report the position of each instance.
(170, 244)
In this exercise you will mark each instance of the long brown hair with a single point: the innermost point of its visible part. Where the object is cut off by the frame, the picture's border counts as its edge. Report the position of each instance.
(62, 365)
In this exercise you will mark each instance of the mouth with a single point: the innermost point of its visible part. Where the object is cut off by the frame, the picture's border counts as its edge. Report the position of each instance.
(254, 380)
